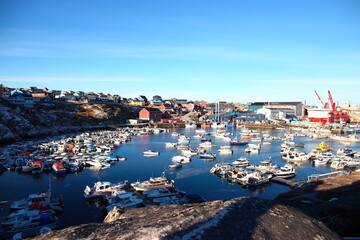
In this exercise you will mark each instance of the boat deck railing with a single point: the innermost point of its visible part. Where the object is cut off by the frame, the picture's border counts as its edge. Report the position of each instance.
(317, 177)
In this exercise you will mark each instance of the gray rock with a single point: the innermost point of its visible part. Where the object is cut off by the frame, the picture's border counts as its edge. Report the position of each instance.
(240, 218)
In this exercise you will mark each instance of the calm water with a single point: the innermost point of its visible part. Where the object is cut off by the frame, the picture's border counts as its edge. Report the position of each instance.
(193, 177)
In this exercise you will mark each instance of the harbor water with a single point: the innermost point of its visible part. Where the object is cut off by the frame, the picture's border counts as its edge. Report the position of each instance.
(193, 177)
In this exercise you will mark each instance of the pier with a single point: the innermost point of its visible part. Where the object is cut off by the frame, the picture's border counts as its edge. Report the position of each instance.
(285, 182)
(317, 177)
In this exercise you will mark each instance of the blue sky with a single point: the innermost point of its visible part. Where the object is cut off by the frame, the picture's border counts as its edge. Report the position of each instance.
(237, 51)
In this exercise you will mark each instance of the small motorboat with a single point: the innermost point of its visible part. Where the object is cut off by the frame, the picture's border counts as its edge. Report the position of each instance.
(225, 151)
(102, 189)
(208, 156)
(181, 159)
(287, 171)
(125, 203)
(150, 153)
(175, 165)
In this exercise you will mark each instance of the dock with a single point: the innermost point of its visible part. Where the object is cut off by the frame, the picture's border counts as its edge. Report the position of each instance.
(284, 181)
(318, 177)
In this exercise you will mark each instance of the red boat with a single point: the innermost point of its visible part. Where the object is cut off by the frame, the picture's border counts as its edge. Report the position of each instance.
(59, 168)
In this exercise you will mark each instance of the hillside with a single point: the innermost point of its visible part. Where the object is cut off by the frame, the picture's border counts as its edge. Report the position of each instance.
(17, 122)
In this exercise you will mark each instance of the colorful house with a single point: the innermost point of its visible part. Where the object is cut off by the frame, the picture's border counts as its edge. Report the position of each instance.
(150, 114)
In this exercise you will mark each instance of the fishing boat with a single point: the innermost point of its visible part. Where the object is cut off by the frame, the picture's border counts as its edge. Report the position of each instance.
(39, 201)
(152, 183)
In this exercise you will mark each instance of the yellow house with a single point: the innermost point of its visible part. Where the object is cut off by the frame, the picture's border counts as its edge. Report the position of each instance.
(136, 103)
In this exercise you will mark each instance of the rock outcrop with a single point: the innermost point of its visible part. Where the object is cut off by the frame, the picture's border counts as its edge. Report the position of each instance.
(334, 201)
(240, 218)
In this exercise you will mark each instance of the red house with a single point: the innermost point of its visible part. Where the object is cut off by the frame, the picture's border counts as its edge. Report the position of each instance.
(150, 114)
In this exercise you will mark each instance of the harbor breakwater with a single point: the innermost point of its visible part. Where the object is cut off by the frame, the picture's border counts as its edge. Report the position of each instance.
(18, 122)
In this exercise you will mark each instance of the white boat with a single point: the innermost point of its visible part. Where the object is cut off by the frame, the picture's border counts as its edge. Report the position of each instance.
(181, 159)
(209, 156)
(151, 153)
(348, 138)
(29, 212)
(102, 189)
(35, 201)
(170, 144)
(241, 162)
(291, 154)
(286, 171)
(189, 152)
(163, 192)
(257, 178)
(125, 203)
(338, 164)
(190, 125)
(225, 151)
(206, 145)
(321, 161)
(152, 183)
(165, 199)
(200, 131)
(118, 195)
(264, 166)
(28, 226)
(175, 165)
(251, 150)
(197, 136)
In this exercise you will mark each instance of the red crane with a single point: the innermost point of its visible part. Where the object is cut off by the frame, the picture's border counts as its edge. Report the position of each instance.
(331, 102)
(324, 106)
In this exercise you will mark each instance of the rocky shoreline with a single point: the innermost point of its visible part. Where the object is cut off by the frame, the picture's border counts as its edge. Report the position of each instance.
(323, 210)
(335, 201)
(239, 218)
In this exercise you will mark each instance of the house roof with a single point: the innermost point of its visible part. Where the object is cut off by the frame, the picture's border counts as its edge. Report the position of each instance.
(152, 109)
(274, 103)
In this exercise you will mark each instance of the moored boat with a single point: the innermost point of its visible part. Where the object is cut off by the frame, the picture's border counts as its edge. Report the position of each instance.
(150, 153)
(152, 183)
(59, 168)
